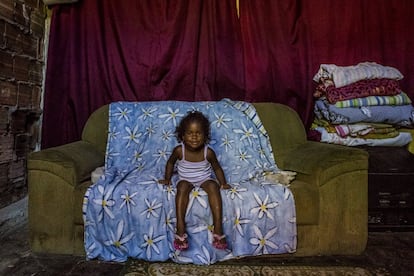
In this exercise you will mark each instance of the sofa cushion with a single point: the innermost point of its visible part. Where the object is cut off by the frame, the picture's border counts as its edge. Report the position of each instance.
(306, 202)
(318, 162)
(72, 162)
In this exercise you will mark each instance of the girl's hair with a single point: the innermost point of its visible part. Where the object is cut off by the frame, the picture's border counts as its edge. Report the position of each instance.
(193, 116)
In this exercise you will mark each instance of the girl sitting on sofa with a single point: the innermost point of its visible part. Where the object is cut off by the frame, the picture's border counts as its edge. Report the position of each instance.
(195, 164)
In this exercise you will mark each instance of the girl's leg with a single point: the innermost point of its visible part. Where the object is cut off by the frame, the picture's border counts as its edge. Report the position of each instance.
(214, 198)
(181, 202)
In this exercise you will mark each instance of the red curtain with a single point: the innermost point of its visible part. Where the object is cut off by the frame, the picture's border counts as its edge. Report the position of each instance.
(103, 51)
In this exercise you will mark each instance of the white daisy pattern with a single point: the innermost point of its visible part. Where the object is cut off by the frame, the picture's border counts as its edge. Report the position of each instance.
(132, 136)
(221, 120)
(147, 113)
(128, 200)
(138, 155)
(226, 143)
(238, 222)
(246, 133)
(129, 214)
(162, 154)
(236, 191)
(151, 208)
(105, 202)
(197, 194)
(151, 242)
(119, 239)
(113, 133)
(172, 115)
(263, 242)
(122, 114)
(263, 207)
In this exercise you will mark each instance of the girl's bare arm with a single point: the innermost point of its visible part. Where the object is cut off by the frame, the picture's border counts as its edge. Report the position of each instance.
(169, 167)
(211, 157)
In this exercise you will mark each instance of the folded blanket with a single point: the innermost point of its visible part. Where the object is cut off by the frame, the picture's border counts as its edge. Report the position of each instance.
(344, 75)
(400, 99)
(359, 89)
(402, 139)
(359, 130)
(401, 115)
(127, 214)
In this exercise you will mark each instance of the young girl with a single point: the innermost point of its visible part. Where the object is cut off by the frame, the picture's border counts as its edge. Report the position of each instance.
(195, 163)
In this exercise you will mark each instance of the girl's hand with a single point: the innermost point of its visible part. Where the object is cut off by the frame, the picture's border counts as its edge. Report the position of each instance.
(164, 182)
(225, 186)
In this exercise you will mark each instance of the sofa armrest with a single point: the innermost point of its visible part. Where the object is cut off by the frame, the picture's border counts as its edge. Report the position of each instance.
(318, 162)
(72, 162)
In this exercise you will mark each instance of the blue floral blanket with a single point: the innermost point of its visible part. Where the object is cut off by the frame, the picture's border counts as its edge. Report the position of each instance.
(127, 214)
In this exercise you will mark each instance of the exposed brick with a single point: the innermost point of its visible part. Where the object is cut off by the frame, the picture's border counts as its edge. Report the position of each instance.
(24, 96)
(19, 185)
(40, 49)
(37, 24)
(4, 115)
(21, 68)
(2, 31)
(4, 176)
(34, 4)
(4, 129)
(4, 121)
(21, 15)
(7, 9)
(6, 65)
(22, 25)
(6, 148)
(21, 145)
(43, 9)
(36, 97)
(29, 45)
(36, 72)
(12, 36)
(16, 169)
(18, 122)
(8, 93)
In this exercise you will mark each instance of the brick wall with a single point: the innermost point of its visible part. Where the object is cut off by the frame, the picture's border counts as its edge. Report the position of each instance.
(22, 25)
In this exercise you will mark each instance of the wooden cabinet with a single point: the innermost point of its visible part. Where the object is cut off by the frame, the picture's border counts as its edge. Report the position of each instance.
(390, 189)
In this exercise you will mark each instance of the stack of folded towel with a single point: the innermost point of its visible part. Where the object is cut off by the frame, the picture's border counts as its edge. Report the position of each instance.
(362, 105)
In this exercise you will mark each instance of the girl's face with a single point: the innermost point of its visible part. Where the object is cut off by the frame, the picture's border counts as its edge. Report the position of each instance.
(194, 136)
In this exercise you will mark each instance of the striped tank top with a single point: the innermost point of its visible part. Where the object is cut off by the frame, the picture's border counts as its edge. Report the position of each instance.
(194, 172)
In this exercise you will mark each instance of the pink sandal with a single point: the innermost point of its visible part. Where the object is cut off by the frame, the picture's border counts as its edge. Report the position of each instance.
(181, 242)
(218, 241)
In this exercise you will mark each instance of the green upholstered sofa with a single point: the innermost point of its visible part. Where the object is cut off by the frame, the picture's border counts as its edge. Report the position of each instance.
(330, 188)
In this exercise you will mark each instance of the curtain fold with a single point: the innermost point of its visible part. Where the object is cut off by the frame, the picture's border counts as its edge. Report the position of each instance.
(270, 43)
(220, 59)
(104, 51)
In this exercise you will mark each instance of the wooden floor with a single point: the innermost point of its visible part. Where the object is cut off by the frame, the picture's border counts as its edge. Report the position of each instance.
(388, 253)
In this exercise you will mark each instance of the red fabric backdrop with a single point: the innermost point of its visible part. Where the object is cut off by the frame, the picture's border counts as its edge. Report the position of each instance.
(103, 51)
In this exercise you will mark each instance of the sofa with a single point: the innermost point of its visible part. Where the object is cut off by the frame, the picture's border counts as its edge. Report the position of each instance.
(330, 188)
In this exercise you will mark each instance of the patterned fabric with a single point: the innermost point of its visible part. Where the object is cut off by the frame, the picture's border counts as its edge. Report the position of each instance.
(128, 214)
(401, 115)
(400, 140)
(400, 99)
(344, 75)
(359, 89)
(195, 172)
(365, 131)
